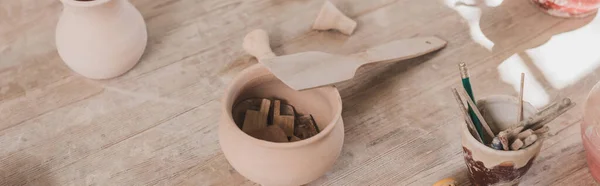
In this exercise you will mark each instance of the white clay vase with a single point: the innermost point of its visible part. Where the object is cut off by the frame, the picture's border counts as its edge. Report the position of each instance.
(100, 39)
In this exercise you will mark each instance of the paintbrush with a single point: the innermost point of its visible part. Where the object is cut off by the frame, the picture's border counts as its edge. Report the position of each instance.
(470, 124)
(478, 115)
(464, 74)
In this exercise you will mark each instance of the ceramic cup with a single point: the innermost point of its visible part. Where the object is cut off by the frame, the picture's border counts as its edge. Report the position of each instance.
(488, 166)
(293, 163)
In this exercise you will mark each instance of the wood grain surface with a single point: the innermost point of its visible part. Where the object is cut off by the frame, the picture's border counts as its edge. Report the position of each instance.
(157, 124)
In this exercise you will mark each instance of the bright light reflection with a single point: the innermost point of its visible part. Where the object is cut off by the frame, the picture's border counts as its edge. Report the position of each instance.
(569, 56)
(510, 71)
(472, 14)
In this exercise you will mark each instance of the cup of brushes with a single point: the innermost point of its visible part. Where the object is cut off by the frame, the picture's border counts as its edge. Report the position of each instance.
(502, 135)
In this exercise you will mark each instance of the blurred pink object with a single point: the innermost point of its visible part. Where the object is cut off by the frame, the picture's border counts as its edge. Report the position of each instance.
(568, 8)
(590, 131)
(100, 39)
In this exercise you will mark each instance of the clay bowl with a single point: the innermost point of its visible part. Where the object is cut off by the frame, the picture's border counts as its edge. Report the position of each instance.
(488, 166)
(270, 163)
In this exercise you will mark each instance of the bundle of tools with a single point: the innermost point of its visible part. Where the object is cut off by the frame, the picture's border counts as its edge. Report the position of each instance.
(529, 131)
(279, 124)
(521, 135)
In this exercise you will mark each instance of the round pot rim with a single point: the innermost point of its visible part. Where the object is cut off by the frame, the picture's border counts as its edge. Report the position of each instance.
(313, 139)
(84, 3)
(482, 147)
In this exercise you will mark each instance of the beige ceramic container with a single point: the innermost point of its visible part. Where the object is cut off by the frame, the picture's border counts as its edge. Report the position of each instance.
(292, 163)
(488, 166)
(100, 39)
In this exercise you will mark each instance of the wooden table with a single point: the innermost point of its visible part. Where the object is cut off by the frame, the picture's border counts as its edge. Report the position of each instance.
(157, 124)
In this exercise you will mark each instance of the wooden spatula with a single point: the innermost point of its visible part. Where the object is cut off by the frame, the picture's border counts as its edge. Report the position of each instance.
(314, 69)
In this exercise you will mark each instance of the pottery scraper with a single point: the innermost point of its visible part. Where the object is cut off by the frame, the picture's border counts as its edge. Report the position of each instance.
(312, 69)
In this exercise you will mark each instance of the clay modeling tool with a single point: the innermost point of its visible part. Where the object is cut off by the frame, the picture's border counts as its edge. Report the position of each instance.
(315, 69)
(520, 114)
(503, 137)
(305, 127)
(525, 134)
(464, 75)
(284, 117)
(542, 130)
(542, 117)
(529, 140)
(330, 17)
(240, 108)
(256, 120)
(271, 133)
(516, 145)
(466, 116)
(478, 114)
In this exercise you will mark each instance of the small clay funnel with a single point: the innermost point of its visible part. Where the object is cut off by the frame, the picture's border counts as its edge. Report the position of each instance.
(256, 43)
(332, 18)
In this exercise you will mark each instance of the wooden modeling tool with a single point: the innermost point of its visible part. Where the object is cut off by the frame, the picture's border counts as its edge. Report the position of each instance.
(271, 133)
(516, 145)
(256, 120)
(520, 114)
(284, 117)
(315, 69)
(240, 108)
(529, 140)
(525, 134)
(464, 75)
(305, 127)
(330, 17)
(478, 114)
(466, 116)
(504, 139)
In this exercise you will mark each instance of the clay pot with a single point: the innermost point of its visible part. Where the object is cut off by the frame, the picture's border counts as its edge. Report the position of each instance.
(488, 166)
(100, 39)
(292, 163)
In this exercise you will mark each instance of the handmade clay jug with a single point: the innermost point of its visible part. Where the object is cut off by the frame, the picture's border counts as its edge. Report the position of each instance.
(100, 39)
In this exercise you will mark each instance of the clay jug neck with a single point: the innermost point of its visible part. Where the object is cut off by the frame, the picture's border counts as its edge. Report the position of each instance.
(93, 6)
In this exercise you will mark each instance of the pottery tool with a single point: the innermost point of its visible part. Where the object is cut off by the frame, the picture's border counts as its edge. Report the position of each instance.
(467, 118)
(503, 137)
(256, 120)
(239, 109)
(529, 140)
(478, 114)
(285, 121)
(520, 114)
(543, 117)
(464, 75)
(315, 69)
(516, 145)
(542, 130)
(305, 127)
(525, 134)
(271, 133)
(330, 17)
(294, 138)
